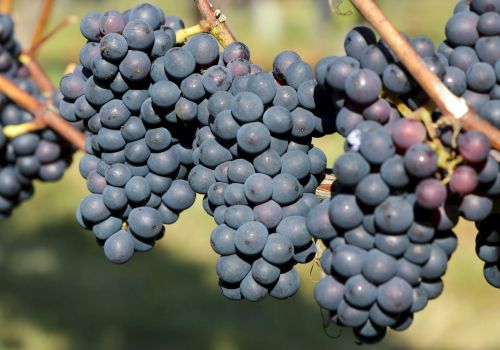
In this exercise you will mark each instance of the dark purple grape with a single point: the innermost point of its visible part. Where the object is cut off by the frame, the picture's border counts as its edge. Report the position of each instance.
(204, 49)
(480, 77)
(282, 62)
(423, 45)
(463, 57)
(489, 23)
(430, 193)
(363, 86)
(174, 23)
(455, 80)
(379, 111)
(463, 180)
(394, 215)
(338, 71)
(111, 21)
(474, 146)
(407, 132)
(420, 160)
(488, 49)
(461, 29)
(236, 50)
(89, 26)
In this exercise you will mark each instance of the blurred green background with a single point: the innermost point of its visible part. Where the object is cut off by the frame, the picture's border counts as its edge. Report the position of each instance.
(57, 291)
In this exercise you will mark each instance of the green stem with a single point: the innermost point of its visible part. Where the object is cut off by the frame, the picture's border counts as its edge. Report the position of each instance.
(183, 34)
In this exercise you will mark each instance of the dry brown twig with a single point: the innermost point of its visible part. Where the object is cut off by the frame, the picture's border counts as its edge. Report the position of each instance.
(43, 39)
(38, 74)
(214, 21)
(44, 113)
(41, 24)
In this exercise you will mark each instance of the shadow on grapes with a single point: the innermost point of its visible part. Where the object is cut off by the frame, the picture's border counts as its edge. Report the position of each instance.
(56, 285)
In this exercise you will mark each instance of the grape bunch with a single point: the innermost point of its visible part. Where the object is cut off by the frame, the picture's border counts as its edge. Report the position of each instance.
(167, 119)
(30, 156)
(488, 248)
(258, 170)
(388, 227)
(136, 94)
(387, 246)
(472, 48)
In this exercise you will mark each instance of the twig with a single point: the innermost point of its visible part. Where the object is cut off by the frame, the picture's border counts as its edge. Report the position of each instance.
(183, 34)
(6, 6)
(38, 74)
(44, 115)
(41, 24)
(402, 108)
(65, 22)
(214, 21)
(448, 103)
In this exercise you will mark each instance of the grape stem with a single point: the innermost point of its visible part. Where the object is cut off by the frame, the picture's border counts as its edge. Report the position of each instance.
(45, 115)
(400, 105)
(450, 167)
(183, 34)
(38, 74)
(6, 6)
(448, 103)
(35, 46)
(41, 24)
(447, 120)
(214, 21)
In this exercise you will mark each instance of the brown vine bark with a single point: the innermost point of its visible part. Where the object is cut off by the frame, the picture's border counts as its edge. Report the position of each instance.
(41, 24)
(38, 74)
(44, 115)
(214, 21)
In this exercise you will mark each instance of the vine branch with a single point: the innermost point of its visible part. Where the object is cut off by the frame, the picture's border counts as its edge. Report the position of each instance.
(43, 39)
(214, 21)
(38, 74)
(448, 103)
(43, 113)
(41, 24)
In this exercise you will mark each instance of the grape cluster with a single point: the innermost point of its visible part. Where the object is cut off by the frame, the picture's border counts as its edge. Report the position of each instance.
(258, 169)
(166, 120)
(388, 227)
(488, 248)
(472, 48)
(41, 155)
(386, 253)
(136, 94)
(476, 181)
(472, 51)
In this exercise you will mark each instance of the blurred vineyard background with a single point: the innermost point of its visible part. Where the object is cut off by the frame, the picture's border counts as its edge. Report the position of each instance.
(57, 290)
